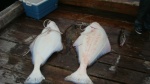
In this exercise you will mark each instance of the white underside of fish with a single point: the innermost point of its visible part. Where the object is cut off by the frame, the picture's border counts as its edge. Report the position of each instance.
(45, 44)
(90, 45)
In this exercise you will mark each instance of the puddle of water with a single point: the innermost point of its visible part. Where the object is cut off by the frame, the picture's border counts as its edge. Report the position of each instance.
(6, 46)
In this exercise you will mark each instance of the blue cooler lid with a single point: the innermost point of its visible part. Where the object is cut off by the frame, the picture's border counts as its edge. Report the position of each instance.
(33, 2)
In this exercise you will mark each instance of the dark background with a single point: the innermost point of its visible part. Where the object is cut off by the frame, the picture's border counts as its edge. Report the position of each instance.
(5, 3)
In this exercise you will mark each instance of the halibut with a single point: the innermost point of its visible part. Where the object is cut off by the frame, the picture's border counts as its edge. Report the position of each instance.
(45, 44)
(90, 45)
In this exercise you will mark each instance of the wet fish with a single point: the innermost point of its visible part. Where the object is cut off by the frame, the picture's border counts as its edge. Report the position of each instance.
(122, 37)
(45, 44)
(90, 45)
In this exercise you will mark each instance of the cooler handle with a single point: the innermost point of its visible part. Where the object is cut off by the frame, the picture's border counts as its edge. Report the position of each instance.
(28, 3)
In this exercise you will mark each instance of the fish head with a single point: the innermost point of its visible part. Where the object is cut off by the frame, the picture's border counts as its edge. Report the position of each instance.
(52, 25)
(92, 26)
(88, 29)
(95, 25)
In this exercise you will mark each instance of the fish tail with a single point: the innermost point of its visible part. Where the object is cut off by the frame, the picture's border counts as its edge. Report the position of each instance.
(79, 77)
(35, 77)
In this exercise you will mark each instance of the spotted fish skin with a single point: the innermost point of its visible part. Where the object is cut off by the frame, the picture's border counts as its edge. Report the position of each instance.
(45, 44)
(90, 45)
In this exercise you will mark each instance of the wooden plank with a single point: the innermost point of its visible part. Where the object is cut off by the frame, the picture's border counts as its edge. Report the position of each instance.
(22, 32)
(146, 46)
(90, 18)
(10, 77)
(30, 22)
(10, 13)
(104, 5)
(58, 75)
(30, 29)
(96, 12)
(52, 74)
(135, 52)
(12, 34)
(146, 53)
(131, 69)
(27, 22)
(6, 46)
(122, 75)
(125, 62)
(102, 70)
(58, 59)
(21, 50)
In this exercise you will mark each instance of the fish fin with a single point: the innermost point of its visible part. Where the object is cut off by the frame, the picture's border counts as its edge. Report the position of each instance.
(60, 47)
(106, 48)
(79, 77)
(35, 77)
(78, 41)
(31, 45)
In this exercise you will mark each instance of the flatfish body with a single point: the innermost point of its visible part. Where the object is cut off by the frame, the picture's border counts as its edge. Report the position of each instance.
(90, 45)
(45, 44)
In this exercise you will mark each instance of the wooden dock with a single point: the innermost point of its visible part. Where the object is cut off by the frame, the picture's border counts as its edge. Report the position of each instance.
(133, 67)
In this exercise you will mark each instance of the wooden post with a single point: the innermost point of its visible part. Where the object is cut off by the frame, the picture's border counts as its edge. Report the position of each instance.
(10, 13)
